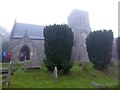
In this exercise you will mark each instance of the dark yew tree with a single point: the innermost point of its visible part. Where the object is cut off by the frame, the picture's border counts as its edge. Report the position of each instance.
(99, 47)
(118, 47)
(58, 47)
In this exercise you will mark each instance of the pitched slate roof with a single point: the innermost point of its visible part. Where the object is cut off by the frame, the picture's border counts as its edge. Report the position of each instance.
(33, 31)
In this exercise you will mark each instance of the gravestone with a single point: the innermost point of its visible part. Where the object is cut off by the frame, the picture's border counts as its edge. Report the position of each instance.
(55, 74)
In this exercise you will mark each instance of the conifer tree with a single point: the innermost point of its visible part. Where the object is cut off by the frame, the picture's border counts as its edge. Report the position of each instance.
(58, 47)
(99, 48)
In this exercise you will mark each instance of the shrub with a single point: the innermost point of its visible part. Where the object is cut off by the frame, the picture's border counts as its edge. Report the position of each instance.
(99, 47)
(58, 47)
(118, 47)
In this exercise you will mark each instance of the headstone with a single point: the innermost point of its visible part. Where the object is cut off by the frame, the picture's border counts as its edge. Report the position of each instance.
(55, 74)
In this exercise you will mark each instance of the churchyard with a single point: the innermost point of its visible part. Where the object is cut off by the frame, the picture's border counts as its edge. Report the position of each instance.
(78, 77)
(99, 71)
(62, 56)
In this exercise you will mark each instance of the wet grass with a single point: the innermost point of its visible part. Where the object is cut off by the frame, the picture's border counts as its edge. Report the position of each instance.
(78, 77)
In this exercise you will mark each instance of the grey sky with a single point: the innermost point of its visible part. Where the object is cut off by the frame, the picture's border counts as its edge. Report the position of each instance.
(103, 14)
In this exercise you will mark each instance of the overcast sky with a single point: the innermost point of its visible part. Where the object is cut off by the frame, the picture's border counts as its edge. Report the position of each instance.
(103, 14)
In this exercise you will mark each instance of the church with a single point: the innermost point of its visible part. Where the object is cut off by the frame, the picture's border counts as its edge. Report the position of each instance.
(28, 39)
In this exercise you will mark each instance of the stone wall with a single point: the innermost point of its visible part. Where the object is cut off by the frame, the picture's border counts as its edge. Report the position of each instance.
(35, 46)
(13, 42)
(40, 46)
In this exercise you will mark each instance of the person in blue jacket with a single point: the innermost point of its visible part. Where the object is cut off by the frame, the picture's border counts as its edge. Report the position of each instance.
(3, 56)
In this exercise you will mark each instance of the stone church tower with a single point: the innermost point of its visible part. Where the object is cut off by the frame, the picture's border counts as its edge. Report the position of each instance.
(27, 39)
(78, 21)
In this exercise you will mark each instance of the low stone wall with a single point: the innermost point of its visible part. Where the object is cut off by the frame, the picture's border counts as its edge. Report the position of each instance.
(29, 64)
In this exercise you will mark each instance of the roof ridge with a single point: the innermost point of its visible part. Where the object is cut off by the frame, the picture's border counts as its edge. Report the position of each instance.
(13, 29)
(30, 24)
(34, 31)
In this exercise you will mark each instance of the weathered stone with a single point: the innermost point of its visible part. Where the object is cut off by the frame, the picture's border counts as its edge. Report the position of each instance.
(78, 21)
(29, 64)
(55, 74)
(114, 50)
(36, 47)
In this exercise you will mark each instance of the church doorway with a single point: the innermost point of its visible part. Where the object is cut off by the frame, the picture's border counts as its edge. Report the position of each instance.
(24, 53)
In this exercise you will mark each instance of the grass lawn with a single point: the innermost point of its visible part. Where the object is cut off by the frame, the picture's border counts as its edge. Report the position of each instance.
(77, 78)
